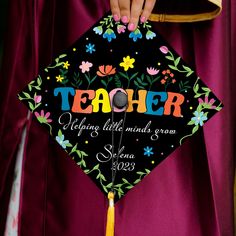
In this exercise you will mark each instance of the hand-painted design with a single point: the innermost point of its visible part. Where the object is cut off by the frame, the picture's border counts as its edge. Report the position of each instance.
(59, 78)
(35, 100)
(90, 48)
(148, 151)
(168, 78)
(199, 115)
(58, 62)
(129, 78)
(106, 71)
(77, 81)
(108, 28)
(151, 80)
(127, 63)
(85, 66)
(43, 118)
(80, 154)
(62, 77)
(60, 138)
(66, 65)
(176, 61)
(135, 35)
(125, 184)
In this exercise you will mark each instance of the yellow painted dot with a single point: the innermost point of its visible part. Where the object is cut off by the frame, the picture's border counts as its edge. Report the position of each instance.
(191, 108)
(86, 142)
(48, 77)
(158, 63)
(74, 49)
(153, 162)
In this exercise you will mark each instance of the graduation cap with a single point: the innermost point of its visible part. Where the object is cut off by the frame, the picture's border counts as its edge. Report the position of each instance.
(119, 103)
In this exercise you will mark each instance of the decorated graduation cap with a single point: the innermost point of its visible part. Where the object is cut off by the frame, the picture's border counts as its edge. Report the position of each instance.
(119, 103)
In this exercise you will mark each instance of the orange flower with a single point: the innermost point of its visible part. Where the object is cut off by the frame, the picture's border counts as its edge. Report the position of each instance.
(163, 81)
(106, 70)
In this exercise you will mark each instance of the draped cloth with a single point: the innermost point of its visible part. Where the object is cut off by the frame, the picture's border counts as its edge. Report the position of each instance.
(190, 193)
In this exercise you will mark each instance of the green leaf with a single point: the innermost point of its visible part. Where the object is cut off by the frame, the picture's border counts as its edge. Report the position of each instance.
(205, 89)
(124, 75)
(93, 79)
(149, 79)
(31, 106)
(39, 81)
(133, 76)
(125, 181)
(109, 185)
(83, 163)
(170, 58)
(74, 148)
(86, 171)
(57, 60)
(176, 62)
(140, 173)
(46, 69)
(147, 171)
(26, 95)
(29, 87)
(69, 145)
(62, 56)
(103, 177)
(196, 88)
(189, 73)
(191, 122)
(187, 68)
(105, 189)
(197, 96)
(137, 181)
(172, 67)
(96, 167)
(79, 153)
(98, 176)
(84, 154)
(195, 129)
(129, 187)
(59, 133)
(104, 82)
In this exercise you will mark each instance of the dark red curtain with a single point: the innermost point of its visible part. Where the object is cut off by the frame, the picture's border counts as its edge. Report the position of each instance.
(190, 193)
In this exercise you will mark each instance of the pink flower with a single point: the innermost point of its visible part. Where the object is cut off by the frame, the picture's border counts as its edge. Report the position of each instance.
(37, 98)
(206, 101)
(173, 81)
(172, 75)
(121, 29)
(152, 71)
(164, 49)
(42, 117)
(85, 66)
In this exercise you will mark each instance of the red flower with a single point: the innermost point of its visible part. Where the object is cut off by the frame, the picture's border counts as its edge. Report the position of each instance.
(164, 72)
(173, 81)
(168, 71)
(106, 70)
(172, 75)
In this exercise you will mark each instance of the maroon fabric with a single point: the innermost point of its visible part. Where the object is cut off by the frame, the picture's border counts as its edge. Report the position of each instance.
(190, 193)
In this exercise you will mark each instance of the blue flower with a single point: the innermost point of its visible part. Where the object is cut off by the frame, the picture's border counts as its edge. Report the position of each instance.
(148, 151)
(98, 30)
(150, 35)
(135, 35)
(61, 141)
(90, 48)
(109, 35)
(199, 118)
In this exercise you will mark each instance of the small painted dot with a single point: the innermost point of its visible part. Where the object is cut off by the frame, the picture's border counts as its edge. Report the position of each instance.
(86, 141)
(187, 101)
(48, 77)
(172, 146)
(74, 49)
(111, 50)
(136, 53)
(191, 108)
(87, 38)
(46, 91)
(185, 91)
(162, 153)
(46, 105)
(137, 139)
(153, 162)
(158, 63)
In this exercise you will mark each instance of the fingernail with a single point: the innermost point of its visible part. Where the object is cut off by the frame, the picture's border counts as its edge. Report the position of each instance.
(143, 19)
(116, 17)
(124, 19)
(131, 27)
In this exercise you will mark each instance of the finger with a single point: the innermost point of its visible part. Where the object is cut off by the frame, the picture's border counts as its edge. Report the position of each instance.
(136, 10)
(149, 5)
(124, 10)
(115, 9)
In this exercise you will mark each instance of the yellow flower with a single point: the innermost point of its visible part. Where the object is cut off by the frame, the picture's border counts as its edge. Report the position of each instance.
(127, 63)
(59, 78)
(66, 65)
